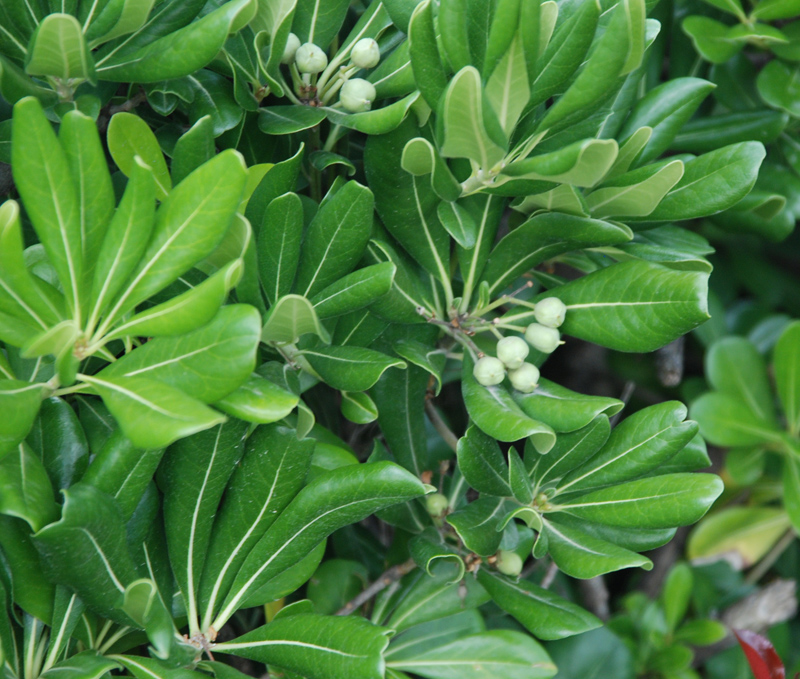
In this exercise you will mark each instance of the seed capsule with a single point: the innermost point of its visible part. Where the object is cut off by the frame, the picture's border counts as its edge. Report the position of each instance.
(310, 58)
(512, 351)
(366, 53)
(550, 312)
(436, 504)
(357, 95)
(525, 378)
(289, 52)
(509, 563)
(542, 338)
(489, 371)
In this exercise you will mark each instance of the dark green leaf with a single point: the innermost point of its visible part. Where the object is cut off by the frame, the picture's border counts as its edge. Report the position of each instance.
(482, 463)
(25, 488)
(350, 368)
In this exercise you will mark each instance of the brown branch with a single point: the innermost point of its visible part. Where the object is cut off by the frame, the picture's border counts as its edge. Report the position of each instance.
(390, 576)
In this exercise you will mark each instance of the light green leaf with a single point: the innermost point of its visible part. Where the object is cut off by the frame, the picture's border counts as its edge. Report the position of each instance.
(355, 290)
(656, 502)
(291, 317)
(258, 400)
(779, 85)
(464, 120)
(770, 10)
(420, 638)
(20, 401)
(377, 121)
(289, 119)
(636, 193)
(710, 38)
(84, 665)
(350, 368)
(727, 421)
(634, 306)
(180, 52)
(790, 480)
(507, 88)
(542, 613)
(426, 63)
(498, 653)
(278, 245)
(42, 176)
(358, 407)
(319, 647)
(786, 358)
(583, 163)
(59, 51)
(130, 136)
(563, 409)
(420, 157)
(150, 413)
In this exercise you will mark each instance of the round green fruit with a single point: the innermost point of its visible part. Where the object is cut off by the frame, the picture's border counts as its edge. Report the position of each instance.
(509, 563)
(525, 378)
(550, 312)
(489, 371)
(366, 53)
(289, 52)
(436, 504)
(512, 351)
(542, 338)
(357, 95)
(310, 58)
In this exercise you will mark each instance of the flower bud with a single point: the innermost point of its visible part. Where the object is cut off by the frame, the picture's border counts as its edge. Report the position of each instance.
(366, 53)
(550, 312)
(292, 43)
(357, 95)
(509, 563)
(489, 371)
(542, 338)
(512, 351)
(310, 58)
(436, 504)
(525, 378)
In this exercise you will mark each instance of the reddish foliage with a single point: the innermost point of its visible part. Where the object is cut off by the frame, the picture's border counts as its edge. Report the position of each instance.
(761, 655)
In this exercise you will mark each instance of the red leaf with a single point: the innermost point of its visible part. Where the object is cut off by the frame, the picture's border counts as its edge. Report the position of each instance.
(761, 655)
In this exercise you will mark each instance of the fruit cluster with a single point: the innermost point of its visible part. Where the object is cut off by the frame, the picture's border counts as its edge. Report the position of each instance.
(355, 94)
(512, 351)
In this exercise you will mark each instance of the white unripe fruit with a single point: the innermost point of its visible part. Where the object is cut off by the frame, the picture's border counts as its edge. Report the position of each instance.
(550, 312)
(509, 563)
(357, 95)
(436, 504)
(289, 52)
(525, 378)
(489, 371)
(366, 53)
(512, 351)
(310, 58)
(542, 338)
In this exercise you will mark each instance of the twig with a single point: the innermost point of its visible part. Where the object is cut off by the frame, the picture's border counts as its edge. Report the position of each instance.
(595, 594)
(126, 106)
(390, 576)
(627, 392)
(439, 424)
(549, 575)
(772, 556)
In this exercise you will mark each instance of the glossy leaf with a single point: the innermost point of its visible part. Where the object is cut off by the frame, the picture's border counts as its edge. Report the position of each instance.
(130, 136)
(289, 119)
(278, 245)
(660, 502)
(21, 400)
(482, 463)
(291, 317)
(58, 50)
(778, 86)
(350, 368)
(354, 291)
(193, 148)
(726, 421)
(583, 163)
(634, 306)
(25, 488)
(542, 613)
(761, 655)
(319, 647)
(636, 193)
(420, 638)
(787, 374)
(478, 524)
(258, 400)
(428, 69)
(497, 414)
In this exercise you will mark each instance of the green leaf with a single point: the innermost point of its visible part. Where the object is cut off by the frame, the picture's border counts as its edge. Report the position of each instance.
(458, 222)
(420, 638)
(143, 603)
(275, 461)
(319, 647)
(770, 10)
(583, 163)
(338, 498)
(130, 136)
(496, 413)
(278, 245)
(482, 463)
(735, 368)
(569, 452)
(636, 193)
(712, 182)
(786, 359)
(429, 551)
(429, 72)
(193, 477)
(42, 176)
(660, 502)
(726, 421)
(711, 132)
(350, 368)
(406, 295)
(452, 21)
(711, 38)
(143, 667)
(152, 414)
(478, 524)
(84, 665)
(125, 239)
(289, 119)
(463, 117)
(543, 237)
(21, 402)
(749, 532)
(431, 359)
(87, 160)
(358, 407)
(640, 445)
(634, 306)
(122, 471)
(335, 239)
(354, 291)
(58, 50)
(581, 555)
(213, 97)
(181, 51)
(25, 488)
(564, 410)
(676, 594)
(377, 121)
(208, 363)
(507, 88)
(518, 478)
(86, 550)
(193, 148)
(258, 400)
(790, 481)
(542, 613)
(668, 244)
(730, 6)
(498, 653)
(420, 158)
(190, 224)
(779, 85)
(291, 317)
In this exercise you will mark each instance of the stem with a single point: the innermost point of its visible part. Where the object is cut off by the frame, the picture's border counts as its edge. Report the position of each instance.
(333, 137)
(390, 576)
(439, 424)
(549, 576)
(113, 639)
(772, 556)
